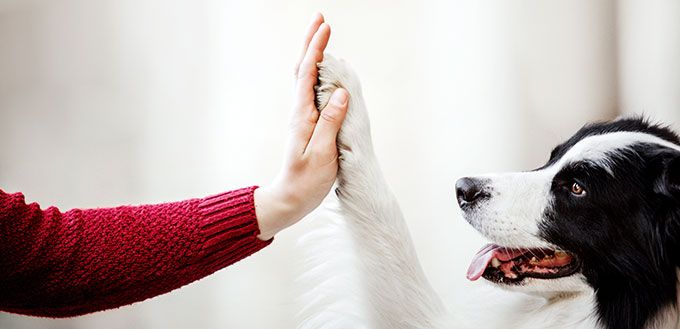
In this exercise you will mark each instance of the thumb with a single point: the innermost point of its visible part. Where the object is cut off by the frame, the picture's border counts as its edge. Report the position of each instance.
(330, 120)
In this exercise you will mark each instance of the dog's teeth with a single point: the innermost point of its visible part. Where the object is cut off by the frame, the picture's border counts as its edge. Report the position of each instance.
(560, 254)
(495, 262)
(533, 260)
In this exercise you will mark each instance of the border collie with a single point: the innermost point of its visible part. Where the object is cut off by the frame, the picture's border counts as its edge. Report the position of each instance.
(592, 236)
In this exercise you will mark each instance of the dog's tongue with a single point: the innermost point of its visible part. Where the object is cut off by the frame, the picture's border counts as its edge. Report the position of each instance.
(486, 254)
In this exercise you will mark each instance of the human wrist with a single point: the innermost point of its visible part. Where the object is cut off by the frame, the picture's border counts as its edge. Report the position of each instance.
(274, 211)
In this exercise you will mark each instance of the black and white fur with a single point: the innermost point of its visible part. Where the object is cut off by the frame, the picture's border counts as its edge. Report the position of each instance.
(624, 231)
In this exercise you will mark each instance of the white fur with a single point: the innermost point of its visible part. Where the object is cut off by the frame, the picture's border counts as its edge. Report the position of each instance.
(339, 295)
(364, 272)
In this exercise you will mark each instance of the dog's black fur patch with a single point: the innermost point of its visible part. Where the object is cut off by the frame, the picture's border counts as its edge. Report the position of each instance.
(625, 229)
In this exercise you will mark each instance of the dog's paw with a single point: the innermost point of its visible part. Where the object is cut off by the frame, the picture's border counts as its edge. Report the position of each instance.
(333, 74)
(354, 136)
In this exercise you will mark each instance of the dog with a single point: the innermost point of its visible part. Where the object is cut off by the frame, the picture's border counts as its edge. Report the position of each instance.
(592, 236)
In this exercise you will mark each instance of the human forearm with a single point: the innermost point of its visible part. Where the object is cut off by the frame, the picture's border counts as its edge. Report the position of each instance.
(65, 264)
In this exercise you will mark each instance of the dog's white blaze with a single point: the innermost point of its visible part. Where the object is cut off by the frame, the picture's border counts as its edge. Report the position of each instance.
(599, 148)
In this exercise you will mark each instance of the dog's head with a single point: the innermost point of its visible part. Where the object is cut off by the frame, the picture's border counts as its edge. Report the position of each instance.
(603, 214)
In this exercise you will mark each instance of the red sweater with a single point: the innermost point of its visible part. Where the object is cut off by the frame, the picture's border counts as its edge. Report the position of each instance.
(84, 260)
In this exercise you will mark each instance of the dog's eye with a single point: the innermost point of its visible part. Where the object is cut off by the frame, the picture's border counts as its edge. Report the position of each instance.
(576, 189)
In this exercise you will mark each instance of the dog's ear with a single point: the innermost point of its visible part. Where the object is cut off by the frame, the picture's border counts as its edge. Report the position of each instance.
(668, 186)
(669, 181)
(673, 175)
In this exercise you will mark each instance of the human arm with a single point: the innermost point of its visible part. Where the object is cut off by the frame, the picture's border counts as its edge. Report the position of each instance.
(60, 264)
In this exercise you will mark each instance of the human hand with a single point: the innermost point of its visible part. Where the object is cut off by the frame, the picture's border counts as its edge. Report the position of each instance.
(311, 158)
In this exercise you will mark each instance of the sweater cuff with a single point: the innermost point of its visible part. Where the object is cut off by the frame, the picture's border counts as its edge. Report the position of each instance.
(229, 228)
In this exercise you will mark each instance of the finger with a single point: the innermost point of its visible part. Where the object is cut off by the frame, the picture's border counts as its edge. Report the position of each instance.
(313, 26)
(330, 120)
(308, 71)
(305, 114)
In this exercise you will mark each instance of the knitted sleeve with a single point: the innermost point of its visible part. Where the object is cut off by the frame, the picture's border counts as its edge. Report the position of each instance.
(84, 260)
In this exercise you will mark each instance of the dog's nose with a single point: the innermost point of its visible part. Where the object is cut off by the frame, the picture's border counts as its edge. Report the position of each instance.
(468, 190)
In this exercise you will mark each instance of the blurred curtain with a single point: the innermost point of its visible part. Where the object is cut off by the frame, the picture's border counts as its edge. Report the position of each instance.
(649, 59)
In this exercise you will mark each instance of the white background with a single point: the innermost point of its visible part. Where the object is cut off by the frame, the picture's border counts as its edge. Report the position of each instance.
(110, 102)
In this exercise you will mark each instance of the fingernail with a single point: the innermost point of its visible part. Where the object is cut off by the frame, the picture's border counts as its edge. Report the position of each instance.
(339, 97)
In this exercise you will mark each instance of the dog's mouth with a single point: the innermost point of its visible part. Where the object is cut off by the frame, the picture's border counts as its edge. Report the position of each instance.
(511, 266)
